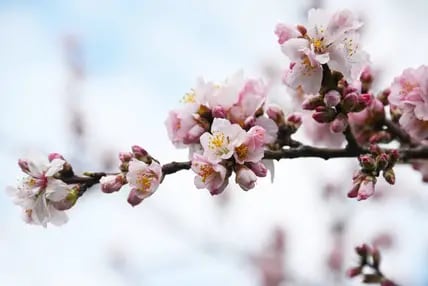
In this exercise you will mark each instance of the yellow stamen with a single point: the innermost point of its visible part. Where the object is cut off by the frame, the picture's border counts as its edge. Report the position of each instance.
(205, 171)
(241, 151)
(189, 97)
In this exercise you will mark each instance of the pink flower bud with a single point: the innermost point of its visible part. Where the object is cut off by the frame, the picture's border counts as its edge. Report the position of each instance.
(332, 98)
(353, 193)
(312, 102)
(112, 183)
(382, 161)
(352, 272)
(365, 100)
(23, 164)
(339, 124)
(324, 115)
(367, 162)
(69, 201)
(295, 119)
(53, 156)
(349, 102)
(367, 188)
(125, 156)
(133, 198)
(363, 250)
(387, 282)
(275, 113)
(245, 178)
(258, 168)
(219, 112)
(302, 30)
(389, 176)
(366, 75)
(139, 152)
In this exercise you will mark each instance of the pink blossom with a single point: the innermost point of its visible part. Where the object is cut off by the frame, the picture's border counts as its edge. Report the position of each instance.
(284, 33)
(251, 97)
(209, 175)
(331, 40)
(251, 146)
(409, 92)
(221, 142)
(39, 191)
(270, 127)
(144, 178)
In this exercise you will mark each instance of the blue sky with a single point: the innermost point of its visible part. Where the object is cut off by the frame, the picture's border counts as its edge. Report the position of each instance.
(141, 56)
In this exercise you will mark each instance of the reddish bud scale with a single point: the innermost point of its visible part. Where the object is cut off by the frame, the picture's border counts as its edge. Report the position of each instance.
(353, 272)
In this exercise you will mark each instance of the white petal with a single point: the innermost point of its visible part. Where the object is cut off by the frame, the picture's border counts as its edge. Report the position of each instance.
(56, 190)
(57, 217)
(293, 48)
(55, 166)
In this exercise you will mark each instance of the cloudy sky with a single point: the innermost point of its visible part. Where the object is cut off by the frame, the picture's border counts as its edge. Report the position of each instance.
(140, 57)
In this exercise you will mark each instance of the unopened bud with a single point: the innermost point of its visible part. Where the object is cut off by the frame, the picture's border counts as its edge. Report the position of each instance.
(367, 162)
(245, 178)
(364, 100)
(258, 168)
(53, 156)
(380, 137)
(389, 176)
(352, 272)
(339, 124)
(383, 96)
(394, 155)
(349, 102)
(294, 120)
(125, 156)
(112, 183)
(332, 98)
(312, 102)
(353, 193)
(363, 250)
(302, 30)
(382, 161)
(141, 154)
(324, 115)
(68, 201)
(23, 164)
(275, 113)
(375, 149)
(219, 112)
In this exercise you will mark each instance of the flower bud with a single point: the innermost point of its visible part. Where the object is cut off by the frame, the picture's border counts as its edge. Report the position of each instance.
(133, 198)
(275, 113)
(125, 156)
(332, 98)
(389, 176)
(366, 76)
(245, 178)
(68, 201)
(363, 250)
(353, 193)
(375, 149)
(349, 102)
(367, 188)
(219, 112)
(394, 155)
(258, 168)
(387, 282)
(324, 115)
(352, 272)
(294, 120)
(380, 137)
(53, 156)
(364, 100)
(23, 164)
(302, 30)
(382, 161)
(367, 162)
(112, 183)
(141, 154)
(312, 102)
(339, 124)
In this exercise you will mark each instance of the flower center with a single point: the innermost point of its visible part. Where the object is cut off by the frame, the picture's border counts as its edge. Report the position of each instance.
(144, 180)
(218, 141)
(241, 151)
(205, 171)
(189, 97)
(319, 46)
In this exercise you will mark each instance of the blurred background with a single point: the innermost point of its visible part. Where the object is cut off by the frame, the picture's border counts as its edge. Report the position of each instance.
(91, 78)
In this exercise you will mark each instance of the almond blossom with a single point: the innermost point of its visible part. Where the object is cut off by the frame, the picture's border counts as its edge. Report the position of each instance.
(221, 142)
(328, 39)
(143, 178)
(251, 148)
(210, 175)
(39, 192)
(409, 92)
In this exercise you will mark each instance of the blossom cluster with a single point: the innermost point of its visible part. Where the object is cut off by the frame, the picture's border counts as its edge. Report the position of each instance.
(226, 130)
(41, 195)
